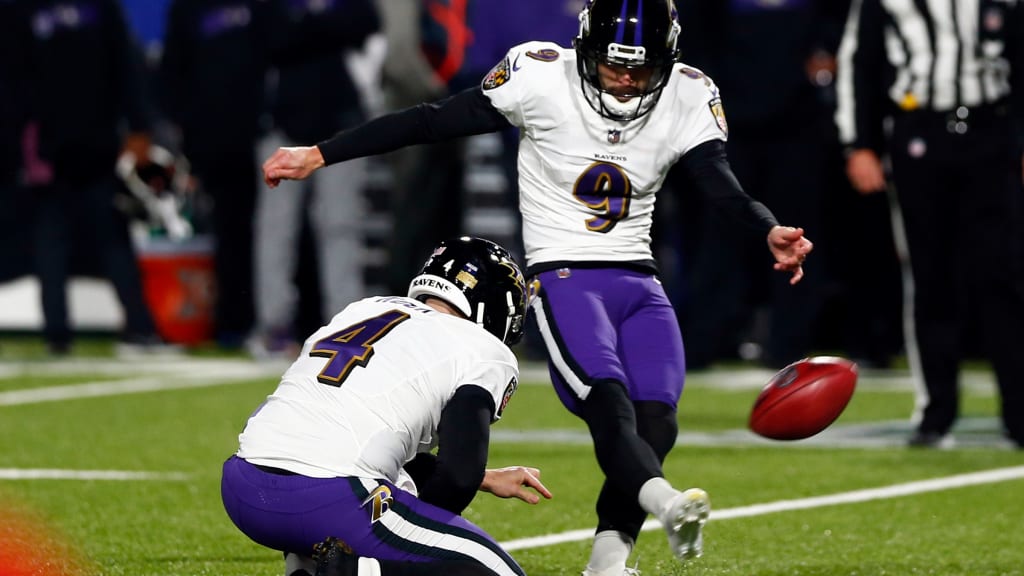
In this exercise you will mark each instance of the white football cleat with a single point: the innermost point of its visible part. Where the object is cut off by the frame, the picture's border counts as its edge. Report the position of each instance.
(683, 519)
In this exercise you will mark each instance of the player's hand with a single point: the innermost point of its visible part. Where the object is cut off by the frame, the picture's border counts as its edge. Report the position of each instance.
(865, 172)
(292, 163)
(512, 482)
(790, 248)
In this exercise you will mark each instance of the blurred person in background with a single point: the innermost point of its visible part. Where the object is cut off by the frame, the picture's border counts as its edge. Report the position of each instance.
(946, 78)
(771, 61)
(427, 48)
(215, 55)
(311, 99)
(213, 72)
(86, 104)
(601, 125)
(14, 234)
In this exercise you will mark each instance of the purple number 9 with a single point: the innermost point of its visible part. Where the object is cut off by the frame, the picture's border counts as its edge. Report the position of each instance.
(605, 188)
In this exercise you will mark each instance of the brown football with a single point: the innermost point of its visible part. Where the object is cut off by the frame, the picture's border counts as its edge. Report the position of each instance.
(804, 398)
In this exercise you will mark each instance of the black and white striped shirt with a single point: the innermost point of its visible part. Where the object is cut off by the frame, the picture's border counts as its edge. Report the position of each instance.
(924, 55)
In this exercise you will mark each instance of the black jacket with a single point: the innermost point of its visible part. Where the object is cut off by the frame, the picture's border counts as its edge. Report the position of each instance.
(217, 53)
(85, 83)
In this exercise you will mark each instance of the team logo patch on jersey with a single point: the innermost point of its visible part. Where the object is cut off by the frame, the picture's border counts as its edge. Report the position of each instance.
(507, 396)
(718, 111)
(498, 75)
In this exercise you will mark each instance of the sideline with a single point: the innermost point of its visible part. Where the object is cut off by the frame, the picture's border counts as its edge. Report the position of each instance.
(882, 493)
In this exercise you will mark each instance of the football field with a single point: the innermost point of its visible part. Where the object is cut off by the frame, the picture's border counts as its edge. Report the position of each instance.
(113, 467)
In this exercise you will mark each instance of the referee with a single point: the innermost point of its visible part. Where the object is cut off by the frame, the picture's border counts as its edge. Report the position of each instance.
(934, 86)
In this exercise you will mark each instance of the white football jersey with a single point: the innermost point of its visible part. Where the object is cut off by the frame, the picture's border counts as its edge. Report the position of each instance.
(587, 183)
(367, 390)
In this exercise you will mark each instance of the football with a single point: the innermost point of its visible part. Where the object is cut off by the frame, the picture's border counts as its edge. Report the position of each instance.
(803, 398)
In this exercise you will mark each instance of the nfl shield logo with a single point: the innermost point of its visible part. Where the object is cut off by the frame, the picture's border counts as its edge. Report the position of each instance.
(614, 136)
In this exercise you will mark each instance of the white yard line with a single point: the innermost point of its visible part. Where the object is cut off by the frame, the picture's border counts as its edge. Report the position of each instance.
(185, 375)
(882, 493)
(56, 474)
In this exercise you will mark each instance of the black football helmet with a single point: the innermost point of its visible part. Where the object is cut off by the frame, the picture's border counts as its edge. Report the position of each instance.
(481, 279)
(630, 33)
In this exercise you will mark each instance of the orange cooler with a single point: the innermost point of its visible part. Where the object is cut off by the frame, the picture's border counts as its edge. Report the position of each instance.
(178, 282)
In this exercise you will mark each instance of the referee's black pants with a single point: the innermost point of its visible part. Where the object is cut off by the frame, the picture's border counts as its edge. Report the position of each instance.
(958, 181)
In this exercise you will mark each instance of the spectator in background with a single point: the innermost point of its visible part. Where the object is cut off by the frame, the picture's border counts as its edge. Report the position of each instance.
(954, 145)
(770, 60)
(428, 42)
(84, 83)
(216, 53)
(13, 99)
(312, 98)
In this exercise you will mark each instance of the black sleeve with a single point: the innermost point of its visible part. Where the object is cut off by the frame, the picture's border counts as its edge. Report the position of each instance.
(709, 170)
(128, 89)
(421, 467)
(175, 62)
(463, 437)
(464, 114)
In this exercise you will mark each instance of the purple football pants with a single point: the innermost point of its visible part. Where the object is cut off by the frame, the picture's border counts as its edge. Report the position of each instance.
(609, 324)
(292, 513)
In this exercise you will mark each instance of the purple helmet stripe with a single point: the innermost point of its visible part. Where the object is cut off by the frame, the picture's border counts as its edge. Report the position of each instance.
(638, 30)
(620, 30)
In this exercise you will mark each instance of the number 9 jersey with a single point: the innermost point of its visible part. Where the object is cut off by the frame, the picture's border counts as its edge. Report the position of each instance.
(587, 182)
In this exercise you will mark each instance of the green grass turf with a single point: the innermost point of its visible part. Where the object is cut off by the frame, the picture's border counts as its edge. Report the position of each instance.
(178, 527)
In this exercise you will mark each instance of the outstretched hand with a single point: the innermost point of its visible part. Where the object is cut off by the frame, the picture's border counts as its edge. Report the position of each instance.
(790, 248)
(291, 163)
(512, 482)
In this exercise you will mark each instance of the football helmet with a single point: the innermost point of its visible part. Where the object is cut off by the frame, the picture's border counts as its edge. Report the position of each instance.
(479, 278)
(158, 191)
(634, 34)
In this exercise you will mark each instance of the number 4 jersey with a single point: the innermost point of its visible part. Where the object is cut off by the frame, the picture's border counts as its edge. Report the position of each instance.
(587, 183)
(367, 390)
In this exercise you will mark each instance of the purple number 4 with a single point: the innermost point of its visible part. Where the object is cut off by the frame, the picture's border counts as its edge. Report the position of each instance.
(353, 346)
